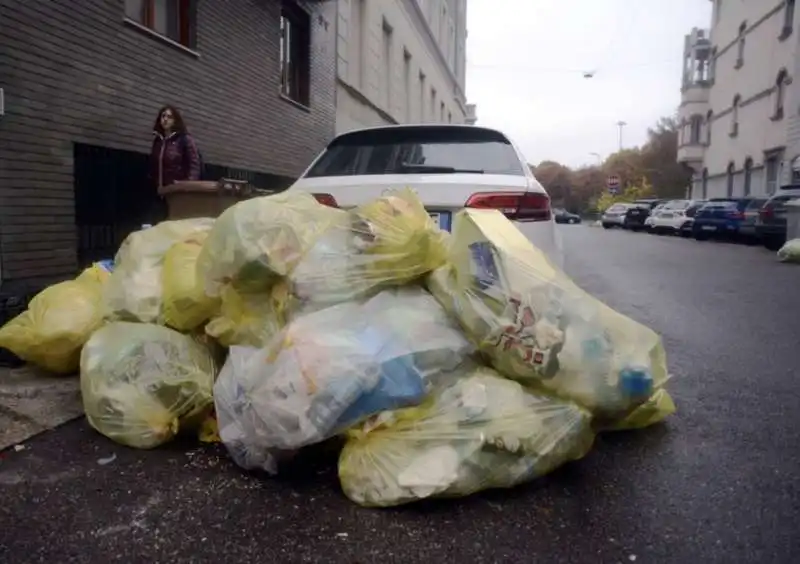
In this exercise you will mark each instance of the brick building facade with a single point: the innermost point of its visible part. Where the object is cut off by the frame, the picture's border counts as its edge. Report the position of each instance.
(83, 81)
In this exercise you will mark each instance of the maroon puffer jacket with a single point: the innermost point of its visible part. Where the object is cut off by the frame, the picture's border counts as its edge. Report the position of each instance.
(174, 158)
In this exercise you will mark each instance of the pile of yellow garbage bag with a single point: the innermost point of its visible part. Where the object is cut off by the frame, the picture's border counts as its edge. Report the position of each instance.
(449, 363)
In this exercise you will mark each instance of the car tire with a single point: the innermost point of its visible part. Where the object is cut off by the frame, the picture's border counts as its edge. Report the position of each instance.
(773, 243)
(606, 226)
(700, 237)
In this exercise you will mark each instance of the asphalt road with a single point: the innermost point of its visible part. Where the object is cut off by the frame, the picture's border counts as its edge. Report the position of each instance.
(717, 483)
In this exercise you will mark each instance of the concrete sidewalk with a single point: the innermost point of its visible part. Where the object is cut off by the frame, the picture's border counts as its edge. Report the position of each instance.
(32, 401)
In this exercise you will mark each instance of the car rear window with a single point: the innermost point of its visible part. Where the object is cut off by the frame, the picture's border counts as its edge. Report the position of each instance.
(756, 204)
(617, 208)
(677, 205)
(418, 150)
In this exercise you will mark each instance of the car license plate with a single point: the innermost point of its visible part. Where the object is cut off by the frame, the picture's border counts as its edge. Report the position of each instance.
(709, 228)
(666, 215)
(441, 219)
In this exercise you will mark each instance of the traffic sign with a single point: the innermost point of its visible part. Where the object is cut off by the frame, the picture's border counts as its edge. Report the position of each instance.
(612, 183)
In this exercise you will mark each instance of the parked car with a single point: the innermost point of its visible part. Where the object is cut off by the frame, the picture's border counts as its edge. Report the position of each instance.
(685, 229)
(720, 217)
(770, 226)
(648, 223)
(614, 216)
(636, 216)
(451, 167)
(670, 216)
(563, 216)
(747, 228)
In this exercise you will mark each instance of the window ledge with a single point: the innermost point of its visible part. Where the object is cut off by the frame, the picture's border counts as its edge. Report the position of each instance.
(155, 35)
(294, 103)
(786, 32)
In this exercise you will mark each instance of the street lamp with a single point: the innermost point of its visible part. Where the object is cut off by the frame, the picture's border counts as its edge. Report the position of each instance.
(620, 124)
(598, 157)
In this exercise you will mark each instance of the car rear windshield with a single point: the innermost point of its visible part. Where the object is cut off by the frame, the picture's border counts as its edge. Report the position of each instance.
(617, 208)
(418, 150)
(677, 205)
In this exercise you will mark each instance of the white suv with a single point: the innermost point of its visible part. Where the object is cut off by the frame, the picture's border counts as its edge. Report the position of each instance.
(451, 167)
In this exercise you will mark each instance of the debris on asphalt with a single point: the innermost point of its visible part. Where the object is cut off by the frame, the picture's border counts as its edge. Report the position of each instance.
(790, 251)
(449, 363)
(107, 460)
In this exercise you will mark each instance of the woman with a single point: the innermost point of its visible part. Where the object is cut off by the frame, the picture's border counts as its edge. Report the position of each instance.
(173, 157)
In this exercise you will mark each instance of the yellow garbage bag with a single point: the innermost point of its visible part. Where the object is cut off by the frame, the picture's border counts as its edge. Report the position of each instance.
(58, 322)
(537, 326)
(134, 291)
(257, 241)
(185, 305)
(386, 242)
(250, 318)
(657, 408)
(477, 431)
(790, 251)
(142, 384)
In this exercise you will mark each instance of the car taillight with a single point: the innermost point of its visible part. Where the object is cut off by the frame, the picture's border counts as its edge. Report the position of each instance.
(765, 213)
(326, 200)
(736, 215)
(516, 206)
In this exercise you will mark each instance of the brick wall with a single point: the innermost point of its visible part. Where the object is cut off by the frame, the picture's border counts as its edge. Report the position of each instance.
(76, 72)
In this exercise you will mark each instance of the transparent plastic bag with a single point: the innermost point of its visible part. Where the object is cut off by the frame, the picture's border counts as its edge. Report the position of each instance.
(185, 305)
(58, 322)
(537, 326)
(250, 319)
(790, 251)
(477, 431)
(389, 241)
(142, 383)
(134, 291)
(328, 370)
(256, 242)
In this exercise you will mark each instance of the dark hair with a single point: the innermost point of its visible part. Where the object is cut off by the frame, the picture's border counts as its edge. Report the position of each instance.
(180, 127)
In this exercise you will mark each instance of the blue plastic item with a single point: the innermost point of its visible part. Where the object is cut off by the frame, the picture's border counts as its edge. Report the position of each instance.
(107, 265)
(636, 382)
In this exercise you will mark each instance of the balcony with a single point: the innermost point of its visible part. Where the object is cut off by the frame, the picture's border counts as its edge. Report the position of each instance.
(692, 155)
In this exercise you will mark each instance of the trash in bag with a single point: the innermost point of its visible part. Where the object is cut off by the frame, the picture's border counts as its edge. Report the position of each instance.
(257, 241)
(536, 326)
(388, 241)
(142, 383)
(185, 305)
(790, 251)
(327, 371)
(477, 431)
(59, 320)
(250, 318)
(134, 291)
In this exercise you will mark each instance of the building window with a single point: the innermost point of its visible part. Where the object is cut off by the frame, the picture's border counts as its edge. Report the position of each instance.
(704, 184)
(174, 19)
(709, 121)
(695, 129)
(788, 19)
(729, 187)
(772, 166)
(780, 95)
(295, 53)
(433, 104)
(355, 41)
(422, 97)
(407, 83)
(735, 116)
(441, 112)
(449, 117)
(388, 65)
(740, 46)
(748, 175)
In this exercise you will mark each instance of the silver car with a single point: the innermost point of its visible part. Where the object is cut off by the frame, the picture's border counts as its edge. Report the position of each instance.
(615, 215)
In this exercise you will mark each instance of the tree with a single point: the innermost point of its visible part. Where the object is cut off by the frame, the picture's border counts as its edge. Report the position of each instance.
(652, 169)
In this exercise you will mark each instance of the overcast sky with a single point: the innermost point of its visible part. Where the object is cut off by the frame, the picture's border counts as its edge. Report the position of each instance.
(525, 64)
